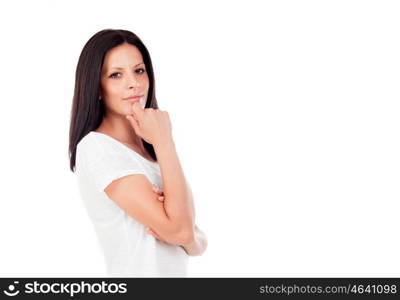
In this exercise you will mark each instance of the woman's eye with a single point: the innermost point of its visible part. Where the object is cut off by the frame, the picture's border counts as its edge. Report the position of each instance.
(112, 75)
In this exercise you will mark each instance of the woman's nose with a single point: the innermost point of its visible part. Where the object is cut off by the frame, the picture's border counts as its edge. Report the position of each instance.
(133, 82)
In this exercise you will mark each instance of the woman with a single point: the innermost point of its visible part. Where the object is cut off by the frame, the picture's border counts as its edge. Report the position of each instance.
(128, 171)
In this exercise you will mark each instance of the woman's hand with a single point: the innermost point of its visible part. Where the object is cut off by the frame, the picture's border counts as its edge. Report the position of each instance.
(159, 192)
(152, 125)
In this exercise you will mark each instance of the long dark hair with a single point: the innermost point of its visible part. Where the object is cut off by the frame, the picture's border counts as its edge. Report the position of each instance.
(87, 111)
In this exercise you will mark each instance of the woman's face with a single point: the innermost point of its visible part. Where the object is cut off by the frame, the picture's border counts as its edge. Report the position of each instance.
(123, 75)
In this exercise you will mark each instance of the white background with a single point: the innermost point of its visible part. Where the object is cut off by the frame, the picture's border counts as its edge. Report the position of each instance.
(285, 115)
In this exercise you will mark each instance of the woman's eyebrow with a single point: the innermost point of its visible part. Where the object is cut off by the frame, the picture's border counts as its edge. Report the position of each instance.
(119, 68)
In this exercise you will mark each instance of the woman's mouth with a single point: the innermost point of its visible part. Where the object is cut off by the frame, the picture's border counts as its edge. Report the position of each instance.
(133, 99)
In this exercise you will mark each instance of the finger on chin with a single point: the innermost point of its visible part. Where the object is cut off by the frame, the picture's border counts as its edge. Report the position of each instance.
(136, 108)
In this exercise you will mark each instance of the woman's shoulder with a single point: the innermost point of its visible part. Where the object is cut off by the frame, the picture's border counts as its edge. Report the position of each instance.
(93, 147)
(100, 157)
(88, 143)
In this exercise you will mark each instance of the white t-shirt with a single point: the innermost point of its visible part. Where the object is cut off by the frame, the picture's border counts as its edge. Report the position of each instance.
(129, 251)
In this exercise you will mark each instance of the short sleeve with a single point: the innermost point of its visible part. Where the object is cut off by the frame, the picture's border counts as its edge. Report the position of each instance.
(104, 161)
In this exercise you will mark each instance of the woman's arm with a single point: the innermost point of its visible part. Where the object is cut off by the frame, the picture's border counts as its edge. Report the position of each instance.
(194, 247)
(178, 202)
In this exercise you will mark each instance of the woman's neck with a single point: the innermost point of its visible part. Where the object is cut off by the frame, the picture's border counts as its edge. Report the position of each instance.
(120, 129)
